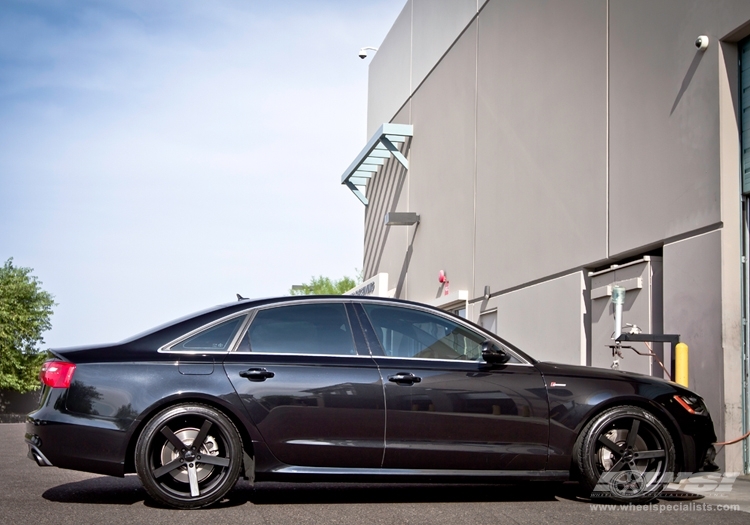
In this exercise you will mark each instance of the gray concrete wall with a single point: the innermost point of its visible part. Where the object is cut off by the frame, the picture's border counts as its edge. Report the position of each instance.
(442, 177)
(692, 308)
(386, 247)
(436, 24)
(553, 138)
(732, 268)
(389, 80)
(545, 320)
(663, 120)
(420, 36)
(541, 140)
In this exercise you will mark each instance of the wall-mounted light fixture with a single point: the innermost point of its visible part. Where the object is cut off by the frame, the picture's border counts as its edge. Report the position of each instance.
(400, 218)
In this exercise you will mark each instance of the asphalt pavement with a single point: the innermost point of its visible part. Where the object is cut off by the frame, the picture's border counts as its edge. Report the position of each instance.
(36, 496)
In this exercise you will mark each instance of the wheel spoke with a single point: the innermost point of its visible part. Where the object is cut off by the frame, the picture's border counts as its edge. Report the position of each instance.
(616, 450)
(648, 454)
(193, 477)
(201, 437)
(633, 433)
(617, 467)
(176, 442)
(213, 460)
(165, 469)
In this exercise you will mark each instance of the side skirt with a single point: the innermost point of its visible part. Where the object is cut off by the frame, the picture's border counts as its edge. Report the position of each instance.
(289, 473)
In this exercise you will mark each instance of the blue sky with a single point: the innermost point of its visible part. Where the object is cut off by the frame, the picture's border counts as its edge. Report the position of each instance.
(158, 157)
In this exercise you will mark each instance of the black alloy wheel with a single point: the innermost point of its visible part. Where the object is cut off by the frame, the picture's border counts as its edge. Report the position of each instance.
(188, 456)
(624, 454)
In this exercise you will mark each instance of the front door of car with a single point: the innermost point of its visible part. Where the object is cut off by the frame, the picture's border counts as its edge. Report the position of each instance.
(314, 399)
(446, 408)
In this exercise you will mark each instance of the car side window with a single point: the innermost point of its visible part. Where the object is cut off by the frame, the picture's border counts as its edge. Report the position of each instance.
(404, 332)
(217, 338)
(300, 329)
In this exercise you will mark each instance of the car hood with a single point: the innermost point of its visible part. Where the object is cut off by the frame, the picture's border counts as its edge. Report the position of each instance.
(590, 371)
(587, 375)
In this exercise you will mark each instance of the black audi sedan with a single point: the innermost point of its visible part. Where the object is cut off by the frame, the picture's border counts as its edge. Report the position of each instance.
(348, 388)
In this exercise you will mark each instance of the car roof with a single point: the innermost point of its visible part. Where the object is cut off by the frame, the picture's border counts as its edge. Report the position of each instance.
(172, 329)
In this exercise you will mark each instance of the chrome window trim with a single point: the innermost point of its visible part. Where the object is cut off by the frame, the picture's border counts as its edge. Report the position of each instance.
(429, 360)
(440, 314)
(241, 332)
(167, 348)
(343, 300)
(297, 354)
(252, 312)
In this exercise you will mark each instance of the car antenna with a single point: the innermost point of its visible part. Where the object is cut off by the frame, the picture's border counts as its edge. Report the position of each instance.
(239, 297)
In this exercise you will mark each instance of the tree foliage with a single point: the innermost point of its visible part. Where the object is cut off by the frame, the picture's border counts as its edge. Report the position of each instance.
(324, 286)
(25, 310)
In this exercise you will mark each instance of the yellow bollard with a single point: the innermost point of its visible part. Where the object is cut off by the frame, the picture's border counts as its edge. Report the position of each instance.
(681, 364)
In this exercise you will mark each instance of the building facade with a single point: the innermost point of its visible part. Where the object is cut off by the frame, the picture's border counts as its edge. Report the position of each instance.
(554, 149)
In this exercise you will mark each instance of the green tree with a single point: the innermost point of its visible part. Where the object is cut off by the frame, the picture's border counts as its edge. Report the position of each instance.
(25, 310)
(324, 286)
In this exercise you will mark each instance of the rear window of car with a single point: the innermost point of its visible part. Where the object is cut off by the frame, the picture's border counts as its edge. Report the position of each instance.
(216, 338)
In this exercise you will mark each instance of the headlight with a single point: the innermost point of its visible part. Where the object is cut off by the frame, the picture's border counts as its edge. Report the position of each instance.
(693, 404)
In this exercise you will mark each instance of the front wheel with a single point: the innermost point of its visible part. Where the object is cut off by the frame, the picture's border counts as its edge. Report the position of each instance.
(188, 456)
(625, 454)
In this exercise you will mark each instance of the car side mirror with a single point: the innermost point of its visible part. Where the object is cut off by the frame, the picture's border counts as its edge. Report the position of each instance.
(494, 355)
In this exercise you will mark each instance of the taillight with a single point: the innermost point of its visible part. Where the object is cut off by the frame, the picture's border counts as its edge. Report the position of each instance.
(57, 374)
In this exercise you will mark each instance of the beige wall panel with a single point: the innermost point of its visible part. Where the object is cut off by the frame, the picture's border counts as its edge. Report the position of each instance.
(436, 25)
(731, 293)
(544, 320)
(541, 143)
(733, 19)
(692, 308)
(441, 178)
(664, 121)
(385, 247)
(389, 78)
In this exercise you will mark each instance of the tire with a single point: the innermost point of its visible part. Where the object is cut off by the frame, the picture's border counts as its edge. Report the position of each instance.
(624, 454)
(177, 473)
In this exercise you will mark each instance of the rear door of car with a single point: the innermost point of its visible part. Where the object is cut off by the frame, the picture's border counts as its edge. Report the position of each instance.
(313, 392)
(447, 409)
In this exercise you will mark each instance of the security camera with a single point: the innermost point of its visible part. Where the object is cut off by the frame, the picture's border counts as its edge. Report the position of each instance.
(701, 43)
(363, 51)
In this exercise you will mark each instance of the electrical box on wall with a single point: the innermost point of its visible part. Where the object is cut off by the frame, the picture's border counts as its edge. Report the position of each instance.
(642, 281)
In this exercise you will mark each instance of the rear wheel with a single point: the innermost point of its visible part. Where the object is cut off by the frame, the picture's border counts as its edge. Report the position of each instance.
(188, 456)
(625, 454)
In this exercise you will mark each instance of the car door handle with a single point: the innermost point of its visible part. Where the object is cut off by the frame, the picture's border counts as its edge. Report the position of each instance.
(404, 378)
(257, 374)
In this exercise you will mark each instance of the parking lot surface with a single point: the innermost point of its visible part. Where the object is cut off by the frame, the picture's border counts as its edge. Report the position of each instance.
(33, 495)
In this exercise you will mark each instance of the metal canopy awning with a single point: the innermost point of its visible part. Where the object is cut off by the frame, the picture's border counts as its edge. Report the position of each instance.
(377, 151)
